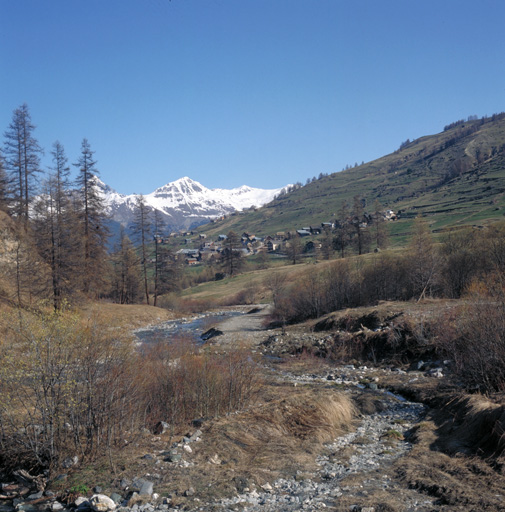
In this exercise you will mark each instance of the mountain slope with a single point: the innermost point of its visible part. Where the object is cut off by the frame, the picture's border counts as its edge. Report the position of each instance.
(185, 203)
(456, 177)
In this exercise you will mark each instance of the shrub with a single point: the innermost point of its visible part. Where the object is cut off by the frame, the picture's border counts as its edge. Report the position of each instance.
(473, 336)
(184, 382)
(66, 388)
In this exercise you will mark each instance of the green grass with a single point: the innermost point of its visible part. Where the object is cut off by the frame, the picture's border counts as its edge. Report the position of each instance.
(411, 180)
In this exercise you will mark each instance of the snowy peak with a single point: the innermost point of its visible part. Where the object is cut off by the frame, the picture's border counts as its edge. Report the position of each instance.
(186, 203)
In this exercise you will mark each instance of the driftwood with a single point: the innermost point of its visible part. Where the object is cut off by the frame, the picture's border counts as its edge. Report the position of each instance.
(39, 481)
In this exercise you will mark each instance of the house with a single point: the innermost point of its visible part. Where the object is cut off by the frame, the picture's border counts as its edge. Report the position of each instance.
(222, 238)
(303, 232)
(328, 225)
(315, 230)
(272, 246)
(202, 236)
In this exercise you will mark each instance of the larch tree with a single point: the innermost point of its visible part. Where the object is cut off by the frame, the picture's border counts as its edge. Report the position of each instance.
(22, 152)
(92, 220)
(343, 229)
(294, 248)
(159, 257)
(362, 237)
(126, 280)
(380, 230)
(3, 184)
(54, 225)
(141, 229)
(232, 253)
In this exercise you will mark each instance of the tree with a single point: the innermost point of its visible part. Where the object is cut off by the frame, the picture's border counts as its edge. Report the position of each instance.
(3, 184)
(92, 218)
(343, 230)
(362, 237)
(232, 253)
(423, 260)
(326, 243)
(54, 226)
(126, 272)
(294, 248)
(141, 229)
(380, 232)
(159, 260)
(22, 153)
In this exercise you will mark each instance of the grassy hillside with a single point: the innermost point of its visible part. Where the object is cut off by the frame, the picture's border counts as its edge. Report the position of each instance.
(457, 177)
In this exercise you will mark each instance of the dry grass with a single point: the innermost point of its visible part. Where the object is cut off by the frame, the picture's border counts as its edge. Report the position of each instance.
(280, 436)
(474, 425)
(129, 316)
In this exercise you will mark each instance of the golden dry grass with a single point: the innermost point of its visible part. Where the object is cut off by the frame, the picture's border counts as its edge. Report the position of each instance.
(129, 316)
(280, 436)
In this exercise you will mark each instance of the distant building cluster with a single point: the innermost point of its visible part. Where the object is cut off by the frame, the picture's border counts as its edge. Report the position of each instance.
(203, 249)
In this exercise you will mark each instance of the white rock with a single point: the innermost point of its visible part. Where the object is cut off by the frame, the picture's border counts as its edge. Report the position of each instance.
(101, 503)
(80, 500)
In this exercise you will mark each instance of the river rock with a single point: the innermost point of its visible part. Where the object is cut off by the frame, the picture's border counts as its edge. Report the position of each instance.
(147, 488)
(211, 333)
(70, 462)
(101, 503)
(161, 427)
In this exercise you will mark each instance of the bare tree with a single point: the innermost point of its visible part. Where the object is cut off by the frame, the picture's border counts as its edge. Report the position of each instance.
(54, 226)
(22, 153)
(343, 230)
(126, 280)
(380, 231)
(94, 232)
(294, 248)
(232, 253)
(141, 229)
(423, 258)
(3, 184)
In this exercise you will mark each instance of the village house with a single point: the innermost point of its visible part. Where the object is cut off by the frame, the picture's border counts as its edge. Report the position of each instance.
(272, 246)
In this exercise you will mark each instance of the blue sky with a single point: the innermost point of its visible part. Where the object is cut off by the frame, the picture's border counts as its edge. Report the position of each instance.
(256, 92)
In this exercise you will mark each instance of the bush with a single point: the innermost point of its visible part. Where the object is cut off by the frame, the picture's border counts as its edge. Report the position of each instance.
(473, 336)
(184, 382)
(66, 389)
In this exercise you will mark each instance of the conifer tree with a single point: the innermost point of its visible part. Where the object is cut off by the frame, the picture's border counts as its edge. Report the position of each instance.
(343, 232)
(126, 272)
(3, 184)
(22, 152)
(141, 229)
(159, 259)
(381, 235)
(232, 255)
(92, 220)
(54, 225)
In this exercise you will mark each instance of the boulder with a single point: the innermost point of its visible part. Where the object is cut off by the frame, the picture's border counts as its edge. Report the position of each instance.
(211, 333)
(101, 503)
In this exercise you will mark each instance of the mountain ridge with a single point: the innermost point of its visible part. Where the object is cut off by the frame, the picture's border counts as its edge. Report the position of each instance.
(185, 203)
(455, 178)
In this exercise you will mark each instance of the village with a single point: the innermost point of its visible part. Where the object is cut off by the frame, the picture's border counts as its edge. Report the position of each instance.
(198, 249)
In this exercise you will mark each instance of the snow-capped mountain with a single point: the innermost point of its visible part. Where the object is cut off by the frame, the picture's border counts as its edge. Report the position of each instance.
(185, 203)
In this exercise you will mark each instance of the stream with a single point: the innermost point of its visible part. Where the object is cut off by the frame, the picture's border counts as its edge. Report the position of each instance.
(187, 328)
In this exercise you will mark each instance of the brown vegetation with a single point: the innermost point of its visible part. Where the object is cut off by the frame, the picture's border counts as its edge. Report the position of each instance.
(76, 386)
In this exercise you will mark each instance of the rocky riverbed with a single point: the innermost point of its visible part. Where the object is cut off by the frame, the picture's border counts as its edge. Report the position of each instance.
(356, 471)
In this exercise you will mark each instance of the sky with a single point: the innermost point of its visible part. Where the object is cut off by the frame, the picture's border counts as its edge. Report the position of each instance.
(245, 92)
